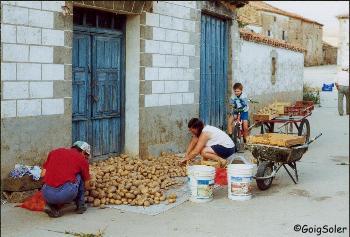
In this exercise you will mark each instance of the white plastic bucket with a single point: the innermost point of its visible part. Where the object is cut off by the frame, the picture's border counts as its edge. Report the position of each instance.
(201, 181)
(239, 180)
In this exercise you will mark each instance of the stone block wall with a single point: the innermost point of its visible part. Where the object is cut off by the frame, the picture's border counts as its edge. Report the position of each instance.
(35, 80)
(312, 42)
(329, 54)
(169, 68)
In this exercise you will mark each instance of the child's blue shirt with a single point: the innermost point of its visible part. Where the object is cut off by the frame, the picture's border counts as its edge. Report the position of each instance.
(240, 102)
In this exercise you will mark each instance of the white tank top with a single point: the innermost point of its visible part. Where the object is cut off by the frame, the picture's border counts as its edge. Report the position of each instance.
(217, 137)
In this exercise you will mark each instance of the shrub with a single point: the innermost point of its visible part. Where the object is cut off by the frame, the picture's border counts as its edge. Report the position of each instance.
(311, 94)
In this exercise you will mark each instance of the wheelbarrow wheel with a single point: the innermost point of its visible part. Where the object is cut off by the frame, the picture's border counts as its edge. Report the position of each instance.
(264, 169)
(304, 129)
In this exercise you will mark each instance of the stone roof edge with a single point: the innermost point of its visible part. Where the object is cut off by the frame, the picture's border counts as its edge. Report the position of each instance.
(262, 39)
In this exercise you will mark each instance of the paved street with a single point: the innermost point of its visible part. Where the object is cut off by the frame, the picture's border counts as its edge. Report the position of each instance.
(320, 198)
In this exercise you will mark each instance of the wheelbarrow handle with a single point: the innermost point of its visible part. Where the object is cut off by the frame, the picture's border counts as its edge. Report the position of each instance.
(308, 143)
(312, 140)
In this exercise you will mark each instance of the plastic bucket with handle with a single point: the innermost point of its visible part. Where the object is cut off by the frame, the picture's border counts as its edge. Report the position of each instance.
(239, 179)
(201, 181)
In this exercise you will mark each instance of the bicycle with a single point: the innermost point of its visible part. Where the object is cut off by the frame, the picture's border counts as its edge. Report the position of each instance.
(238, 133)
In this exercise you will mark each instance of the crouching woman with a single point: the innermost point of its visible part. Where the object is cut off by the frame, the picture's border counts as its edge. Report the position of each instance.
(208, 141)
(66, 175)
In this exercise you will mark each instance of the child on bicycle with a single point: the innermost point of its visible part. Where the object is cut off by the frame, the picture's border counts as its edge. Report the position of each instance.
(239, 101)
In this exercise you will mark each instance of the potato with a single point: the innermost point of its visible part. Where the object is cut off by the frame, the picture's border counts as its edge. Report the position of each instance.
(146, 203)
(97, 202)
(130, 195)
(111, 189)
(171, 201)
(103, 200)
(94, 193)
(101, 194)
(162, 198)
(172, 196)
(118, 202)
(140, 202)
(90, 199)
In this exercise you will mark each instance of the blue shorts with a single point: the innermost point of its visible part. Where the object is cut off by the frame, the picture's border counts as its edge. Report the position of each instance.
(222, 151)
(244, 115)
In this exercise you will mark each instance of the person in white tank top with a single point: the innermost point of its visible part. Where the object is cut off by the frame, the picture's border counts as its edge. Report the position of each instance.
(208, 141)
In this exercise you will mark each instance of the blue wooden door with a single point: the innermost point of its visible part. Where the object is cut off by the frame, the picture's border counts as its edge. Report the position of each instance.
(213, 71)
(98, 91)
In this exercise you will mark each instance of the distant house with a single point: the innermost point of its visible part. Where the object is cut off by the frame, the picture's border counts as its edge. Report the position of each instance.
(329, 53)
(270, 21)
(343, 41)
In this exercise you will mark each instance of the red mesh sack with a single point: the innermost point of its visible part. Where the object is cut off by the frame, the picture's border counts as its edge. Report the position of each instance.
(34, 203)
(221, 176)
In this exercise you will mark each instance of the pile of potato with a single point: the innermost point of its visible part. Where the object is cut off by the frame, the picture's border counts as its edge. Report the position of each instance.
(271, 110)
(133, 181)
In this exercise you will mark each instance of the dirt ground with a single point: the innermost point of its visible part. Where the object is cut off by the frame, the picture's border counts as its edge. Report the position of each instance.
(320, 198)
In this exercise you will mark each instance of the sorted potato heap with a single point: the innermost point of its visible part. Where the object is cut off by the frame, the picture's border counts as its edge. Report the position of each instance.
(133, 181)
(268, 110)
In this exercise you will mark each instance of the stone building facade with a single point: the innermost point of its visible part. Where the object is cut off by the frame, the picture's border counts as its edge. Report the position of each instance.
(270, 21)
(56, 73)
(343, 41)
(160, 73)
(329, 53)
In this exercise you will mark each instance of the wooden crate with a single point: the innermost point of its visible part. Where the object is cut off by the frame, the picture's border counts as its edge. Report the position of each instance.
(305, 103)
(264, 117)
(280, 106)
(276, 139)
(297, 110)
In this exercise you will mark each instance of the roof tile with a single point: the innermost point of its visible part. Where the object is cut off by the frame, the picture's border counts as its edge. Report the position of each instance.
(259, 38)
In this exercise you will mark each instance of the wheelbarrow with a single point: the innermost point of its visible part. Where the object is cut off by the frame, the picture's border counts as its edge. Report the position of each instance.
(272, 158)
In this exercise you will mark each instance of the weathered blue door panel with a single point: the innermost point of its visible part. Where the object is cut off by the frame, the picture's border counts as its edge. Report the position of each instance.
(97, 90)
(81, 88)
(106, 113)
(213, 71)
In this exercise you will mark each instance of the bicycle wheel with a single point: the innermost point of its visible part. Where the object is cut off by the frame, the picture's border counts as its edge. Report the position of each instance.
(236, 137)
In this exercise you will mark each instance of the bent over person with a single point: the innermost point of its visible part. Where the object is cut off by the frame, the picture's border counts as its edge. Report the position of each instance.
(209, 141)
(66, 172)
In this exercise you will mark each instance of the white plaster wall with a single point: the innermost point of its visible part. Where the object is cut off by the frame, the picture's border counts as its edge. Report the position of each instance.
(132, 85)
(253, 69)
(343, 43)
